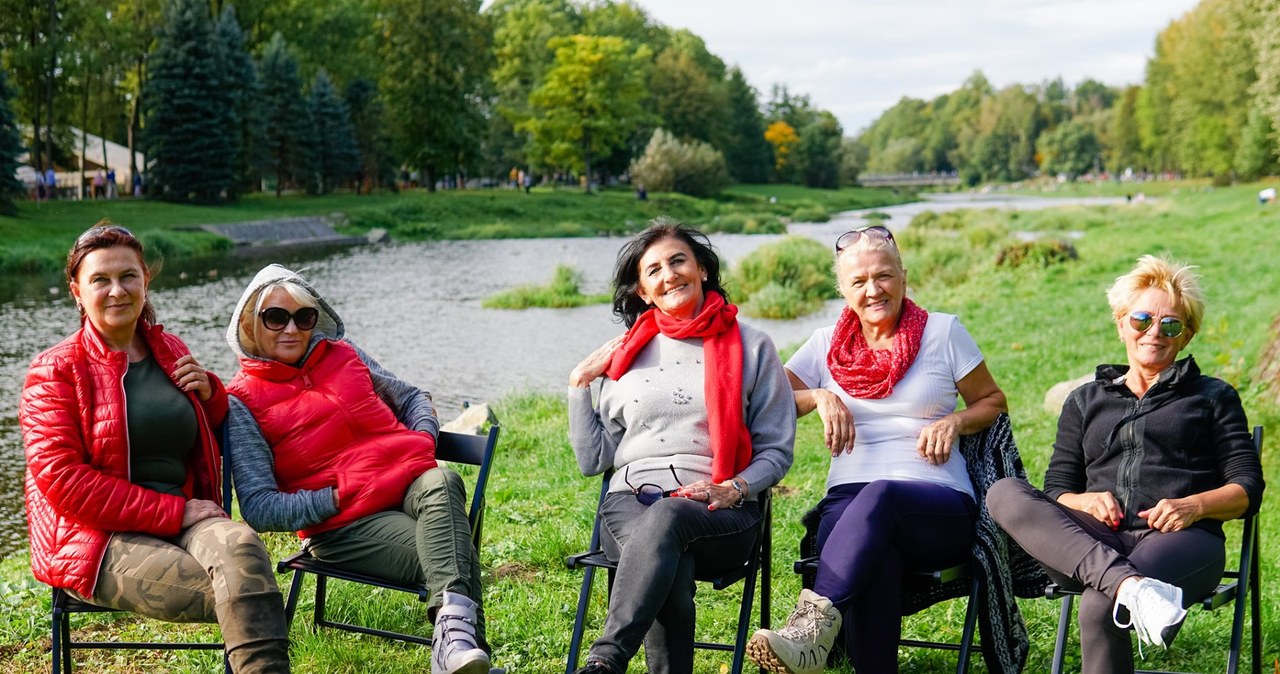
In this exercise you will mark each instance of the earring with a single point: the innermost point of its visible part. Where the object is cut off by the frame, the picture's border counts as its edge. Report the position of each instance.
(79, 307)
(704, 278)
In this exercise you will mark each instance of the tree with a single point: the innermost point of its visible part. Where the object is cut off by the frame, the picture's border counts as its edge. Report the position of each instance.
(244, 118)
(1256, 152)
(368, 119)
(668, 164)
(818, 151)
(1125, 148)
(188, 134)
(853, 159)
(689, 103)
(10, 147)
(437, 58)
(336, 157)
(1266, 89)
(286, 117)
(783, 138)
(748, 155)
(1071, 149)
(590, 102)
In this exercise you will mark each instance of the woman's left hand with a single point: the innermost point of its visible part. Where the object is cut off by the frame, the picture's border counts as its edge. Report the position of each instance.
(190, 376)
(936, 439)
(1172, 514)
(716, 496)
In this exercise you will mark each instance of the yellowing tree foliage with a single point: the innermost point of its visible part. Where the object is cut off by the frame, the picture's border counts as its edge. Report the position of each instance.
(783, 138)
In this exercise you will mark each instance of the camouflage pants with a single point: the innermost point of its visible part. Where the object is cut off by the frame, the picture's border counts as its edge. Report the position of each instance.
(182, 579)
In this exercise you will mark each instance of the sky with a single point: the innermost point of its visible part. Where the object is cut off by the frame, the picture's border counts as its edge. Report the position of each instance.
(856, 58)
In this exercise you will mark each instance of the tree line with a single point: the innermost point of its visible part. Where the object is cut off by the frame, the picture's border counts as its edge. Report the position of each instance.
(1209, 105)
(315, 94)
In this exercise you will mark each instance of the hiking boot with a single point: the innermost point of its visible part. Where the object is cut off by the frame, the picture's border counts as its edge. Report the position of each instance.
(1154, 610)
(453, 643)
(803, 645)
(594, 667)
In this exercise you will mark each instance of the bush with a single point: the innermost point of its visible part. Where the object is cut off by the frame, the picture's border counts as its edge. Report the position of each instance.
(745, 223)
(565, 290)
(1040, 253)
(668, 165)
(793, 276)
(810, 214)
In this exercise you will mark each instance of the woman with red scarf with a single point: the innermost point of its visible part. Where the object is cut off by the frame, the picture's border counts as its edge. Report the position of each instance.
(884, 380)
(695, 418)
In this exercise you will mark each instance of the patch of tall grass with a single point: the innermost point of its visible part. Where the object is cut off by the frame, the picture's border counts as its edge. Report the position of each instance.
(564, 290)
(788, 278)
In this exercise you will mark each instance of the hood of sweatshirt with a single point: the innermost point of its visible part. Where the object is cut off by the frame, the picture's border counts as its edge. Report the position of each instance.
(328, 326)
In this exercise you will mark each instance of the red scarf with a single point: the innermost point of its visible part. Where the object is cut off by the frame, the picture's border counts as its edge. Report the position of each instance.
(869, 373)
(717, 325)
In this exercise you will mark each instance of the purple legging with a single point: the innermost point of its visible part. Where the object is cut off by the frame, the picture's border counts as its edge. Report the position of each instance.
(870, 533)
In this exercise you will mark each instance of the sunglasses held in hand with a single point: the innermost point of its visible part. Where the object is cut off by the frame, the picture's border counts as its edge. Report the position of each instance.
(649, 493)
(276, 319)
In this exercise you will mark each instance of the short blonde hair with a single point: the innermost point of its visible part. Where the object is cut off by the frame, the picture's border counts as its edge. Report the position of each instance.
(1175, 278)
(865, 244)
(248, 326)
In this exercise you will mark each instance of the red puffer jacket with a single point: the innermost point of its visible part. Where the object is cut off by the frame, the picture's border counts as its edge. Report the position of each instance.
(327, 427)
(77, 485)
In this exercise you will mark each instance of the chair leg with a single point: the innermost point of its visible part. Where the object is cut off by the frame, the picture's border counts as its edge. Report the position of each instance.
(322, 588)
(291, 604)
(970, 626)
(1064, 625)
(1255, 604)
(579, 621)
(55, 649)
(744, 619)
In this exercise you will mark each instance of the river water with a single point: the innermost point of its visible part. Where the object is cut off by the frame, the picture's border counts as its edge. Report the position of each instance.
(413, 306)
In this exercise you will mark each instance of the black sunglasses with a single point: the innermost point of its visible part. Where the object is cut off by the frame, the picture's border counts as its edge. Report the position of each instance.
(851, 237)
(98, 230)
(1170, 326)
(648, 493)
(276, 319)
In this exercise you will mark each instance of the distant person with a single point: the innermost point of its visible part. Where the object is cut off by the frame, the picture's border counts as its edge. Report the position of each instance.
(1267, 196)
(50, 183)
(137, 184)
(123, 482)
(99, 185)
(641, 193)
(527, 181)
(40, 186)
(1151, 457)
(111, 183)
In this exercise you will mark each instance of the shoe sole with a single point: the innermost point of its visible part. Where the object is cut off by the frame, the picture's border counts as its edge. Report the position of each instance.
(1169, 633)
(761, 653)
(473, 667)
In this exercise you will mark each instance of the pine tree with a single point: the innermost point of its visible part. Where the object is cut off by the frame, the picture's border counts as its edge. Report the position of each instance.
(10, 147)
(285, 117)
(188, 129)
(368, 119)
(244, 120)
(336, 155)
(746, 152)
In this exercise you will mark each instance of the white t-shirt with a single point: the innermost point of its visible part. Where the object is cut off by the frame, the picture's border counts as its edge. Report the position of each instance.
(886, 429)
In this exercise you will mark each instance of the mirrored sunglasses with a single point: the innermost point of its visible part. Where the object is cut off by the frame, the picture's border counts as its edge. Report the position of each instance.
(1170, 326)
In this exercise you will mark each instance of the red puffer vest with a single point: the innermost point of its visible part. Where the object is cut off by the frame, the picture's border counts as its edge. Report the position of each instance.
(77, 485)
(327, 427)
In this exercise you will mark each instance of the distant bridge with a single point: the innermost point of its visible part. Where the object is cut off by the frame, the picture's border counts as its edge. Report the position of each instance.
(907, 179)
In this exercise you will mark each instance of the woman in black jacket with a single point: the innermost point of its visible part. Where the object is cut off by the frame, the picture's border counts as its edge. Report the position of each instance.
(1151, 457)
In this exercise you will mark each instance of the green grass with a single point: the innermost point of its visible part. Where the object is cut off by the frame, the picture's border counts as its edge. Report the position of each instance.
(1037, 325)
(784, 279)
(562, 292)
(37, 238)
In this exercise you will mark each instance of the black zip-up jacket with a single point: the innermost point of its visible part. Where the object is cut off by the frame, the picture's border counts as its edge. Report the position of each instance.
(1187, 435)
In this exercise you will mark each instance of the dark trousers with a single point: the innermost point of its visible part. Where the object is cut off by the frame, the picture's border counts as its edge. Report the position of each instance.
(869, 535)
(657, 548)
(1079, 550)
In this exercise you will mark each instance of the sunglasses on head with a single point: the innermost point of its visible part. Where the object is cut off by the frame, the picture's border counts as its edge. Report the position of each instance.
(851, 237)
(648, 493)
(276, 319)
(1170, 326)
(98, 230)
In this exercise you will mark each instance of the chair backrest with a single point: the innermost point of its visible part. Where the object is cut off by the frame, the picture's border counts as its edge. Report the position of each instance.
(475, 450)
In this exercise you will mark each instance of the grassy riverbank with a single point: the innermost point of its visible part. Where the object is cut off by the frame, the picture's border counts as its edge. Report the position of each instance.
(1037, 325)
(37, 239)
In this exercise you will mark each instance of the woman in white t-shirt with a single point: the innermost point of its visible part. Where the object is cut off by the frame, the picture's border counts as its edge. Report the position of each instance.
(885, 381)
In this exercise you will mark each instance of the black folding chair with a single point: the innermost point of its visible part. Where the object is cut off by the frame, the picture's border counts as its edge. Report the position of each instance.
(64, 605)
(476, 450)
(1247, 593)
(757, 561)
(921, 589)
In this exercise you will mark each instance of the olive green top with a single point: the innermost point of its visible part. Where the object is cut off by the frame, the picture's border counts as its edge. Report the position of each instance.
(162, 428)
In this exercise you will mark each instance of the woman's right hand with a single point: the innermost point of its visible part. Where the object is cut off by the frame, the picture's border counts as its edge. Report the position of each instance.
(595, 364)
(1102, 505)
(837, 423)
(200, 509)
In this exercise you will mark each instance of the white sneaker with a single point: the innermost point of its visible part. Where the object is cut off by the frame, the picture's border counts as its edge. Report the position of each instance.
(1154, 608)
(803, 645)
(453, 643)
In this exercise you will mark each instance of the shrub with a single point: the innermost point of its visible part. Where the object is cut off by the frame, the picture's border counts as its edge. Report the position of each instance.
(798, 267)
(564, 290)
(745, 223)
(669, 165)
(810, 214)
(1041, 253)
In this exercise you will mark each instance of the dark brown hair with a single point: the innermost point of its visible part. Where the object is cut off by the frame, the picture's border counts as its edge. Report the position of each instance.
(627, 304)
(107, 234)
